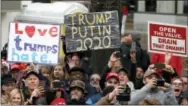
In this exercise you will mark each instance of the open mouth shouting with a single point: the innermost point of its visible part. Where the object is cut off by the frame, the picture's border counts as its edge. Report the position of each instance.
(177, 86)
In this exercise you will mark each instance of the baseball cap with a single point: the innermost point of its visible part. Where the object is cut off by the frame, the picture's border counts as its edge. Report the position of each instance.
(112, 74)
(15, 67)
(7, 79)
(149, 72)
(122, 69)
(32, 73)
(58, 101)
(79, 84)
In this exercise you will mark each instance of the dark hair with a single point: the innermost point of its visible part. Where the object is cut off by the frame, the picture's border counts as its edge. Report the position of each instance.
(4, 51)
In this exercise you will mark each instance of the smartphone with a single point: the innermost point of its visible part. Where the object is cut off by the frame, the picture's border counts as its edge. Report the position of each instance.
(160, 66)
(118, 54)
(133, 47)
(42, 83)
(57, 84)
(160, 82)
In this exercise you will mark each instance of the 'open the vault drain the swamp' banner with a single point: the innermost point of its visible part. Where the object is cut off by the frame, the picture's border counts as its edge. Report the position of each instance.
(99, 30)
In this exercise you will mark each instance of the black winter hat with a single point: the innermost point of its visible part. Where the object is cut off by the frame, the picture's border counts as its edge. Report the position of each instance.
(32, 73)
(122, 69)
(77, 69)
(7, 79)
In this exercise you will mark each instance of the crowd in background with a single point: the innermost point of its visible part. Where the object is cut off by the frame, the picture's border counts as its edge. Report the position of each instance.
(131, 76)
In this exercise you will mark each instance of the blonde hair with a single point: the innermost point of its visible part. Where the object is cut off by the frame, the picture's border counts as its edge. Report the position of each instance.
(13, 93)
(65, 73)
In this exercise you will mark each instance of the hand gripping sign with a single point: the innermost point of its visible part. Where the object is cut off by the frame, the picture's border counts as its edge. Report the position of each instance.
(168, 38)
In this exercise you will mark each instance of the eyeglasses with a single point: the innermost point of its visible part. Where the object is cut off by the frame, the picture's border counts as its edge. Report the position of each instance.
(179, 84)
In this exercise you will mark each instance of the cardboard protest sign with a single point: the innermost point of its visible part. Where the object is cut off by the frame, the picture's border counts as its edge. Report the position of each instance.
(99, 30)
(168, 38)
(38, 43)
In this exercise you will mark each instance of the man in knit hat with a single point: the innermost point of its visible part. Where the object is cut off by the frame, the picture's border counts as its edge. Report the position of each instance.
(77, 93)
(163, 93)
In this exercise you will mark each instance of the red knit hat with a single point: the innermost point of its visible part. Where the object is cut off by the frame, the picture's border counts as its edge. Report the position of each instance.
(58, 101)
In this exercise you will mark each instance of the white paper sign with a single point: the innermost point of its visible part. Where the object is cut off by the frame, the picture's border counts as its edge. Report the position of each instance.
(38, 43)
(171, 38)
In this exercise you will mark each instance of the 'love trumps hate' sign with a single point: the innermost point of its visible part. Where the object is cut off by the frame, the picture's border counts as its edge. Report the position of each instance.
(38, 43)
(98, 30)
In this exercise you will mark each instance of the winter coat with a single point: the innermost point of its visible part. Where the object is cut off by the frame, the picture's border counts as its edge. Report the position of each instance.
(90, 90)
(94, 99)
(138, 83)
(165, 98)
(36, 100)
(126, 60)
(104, 101)
(142, 60)
(175, 62)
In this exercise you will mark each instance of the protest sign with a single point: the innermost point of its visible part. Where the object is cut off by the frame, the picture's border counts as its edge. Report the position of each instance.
(38, 43)
(168, 38)
(99, 30)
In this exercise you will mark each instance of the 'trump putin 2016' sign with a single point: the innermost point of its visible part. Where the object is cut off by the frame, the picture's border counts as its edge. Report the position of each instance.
(168, 38)
(98, 30)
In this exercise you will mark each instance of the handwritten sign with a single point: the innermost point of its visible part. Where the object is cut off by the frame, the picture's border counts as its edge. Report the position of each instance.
(99, 30)
(37, 43)
(168, 38)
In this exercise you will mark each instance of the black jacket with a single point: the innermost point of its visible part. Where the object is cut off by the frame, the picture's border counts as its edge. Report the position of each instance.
(75, 102)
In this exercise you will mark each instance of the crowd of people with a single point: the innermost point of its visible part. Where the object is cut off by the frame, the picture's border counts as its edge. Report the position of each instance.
(131, 77)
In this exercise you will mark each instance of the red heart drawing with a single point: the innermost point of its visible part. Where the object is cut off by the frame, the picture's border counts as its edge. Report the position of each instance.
(30, 30)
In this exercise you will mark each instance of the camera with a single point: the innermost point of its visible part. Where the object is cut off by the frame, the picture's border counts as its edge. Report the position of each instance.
(118, 54)
(159, 66)
(160, 82)
(58, 84)
(125, 94)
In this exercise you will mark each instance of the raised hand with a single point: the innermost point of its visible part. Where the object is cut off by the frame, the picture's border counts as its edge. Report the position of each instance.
(168, 57)
(112, 60)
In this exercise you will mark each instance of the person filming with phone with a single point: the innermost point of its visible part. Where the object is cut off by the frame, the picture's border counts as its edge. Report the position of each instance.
(155, 87)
